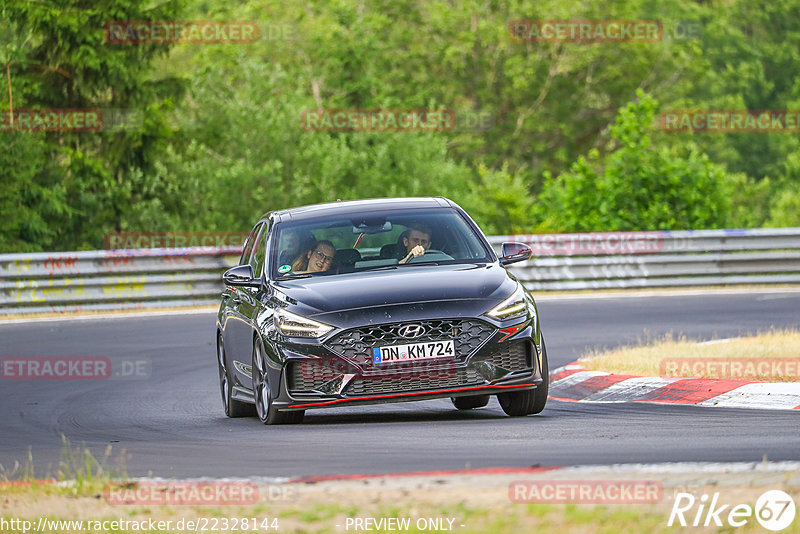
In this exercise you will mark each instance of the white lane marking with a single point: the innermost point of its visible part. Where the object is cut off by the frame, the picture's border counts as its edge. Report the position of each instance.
(775, 395)
(576, 378)
(565, 368)
(630, 389)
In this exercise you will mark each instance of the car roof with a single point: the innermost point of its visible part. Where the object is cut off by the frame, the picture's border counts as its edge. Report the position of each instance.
(356, 206)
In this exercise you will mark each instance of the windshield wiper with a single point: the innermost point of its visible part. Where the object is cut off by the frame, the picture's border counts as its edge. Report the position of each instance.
(432, 262)
(294, 276)
(379, 268)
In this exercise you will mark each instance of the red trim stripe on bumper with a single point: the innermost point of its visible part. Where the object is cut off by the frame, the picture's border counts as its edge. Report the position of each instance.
(416, 393)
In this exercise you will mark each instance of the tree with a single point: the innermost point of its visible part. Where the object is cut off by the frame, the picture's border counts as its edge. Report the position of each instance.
(637, 186)
(95, 179)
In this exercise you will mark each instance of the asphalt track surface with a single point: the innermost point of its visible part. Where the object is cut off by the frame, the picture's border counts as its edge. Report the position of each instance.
(171, 424)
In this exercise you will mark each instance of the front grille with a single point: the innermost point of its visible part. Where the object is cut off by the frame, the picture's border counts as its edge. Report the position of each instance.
(356, 344)
(312, 374)
(414, 382)
(513, 357)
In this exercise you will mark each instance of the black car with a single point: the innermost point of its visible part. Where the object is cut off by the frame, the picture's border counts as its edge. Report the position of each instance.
(376, 301)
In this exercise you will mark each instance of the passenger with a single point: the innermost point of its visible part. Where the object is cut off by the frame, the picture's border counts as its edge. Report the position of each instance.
(293, 243)
(317, 259)
(416, 240)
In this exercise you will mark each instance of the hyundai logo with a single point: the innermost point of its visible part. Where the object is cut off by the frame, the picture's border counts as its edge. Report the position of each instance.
(411, 330)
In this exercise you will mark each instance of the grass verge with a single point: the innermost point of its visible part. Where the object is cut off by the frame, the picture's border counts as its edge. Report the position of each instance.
(466, 505)
(77, 500)
(772, 357)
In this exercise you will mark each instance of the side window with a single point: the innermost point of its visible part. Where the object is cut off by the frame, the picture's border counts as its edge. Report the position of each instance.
(259, 252)
(248, 246)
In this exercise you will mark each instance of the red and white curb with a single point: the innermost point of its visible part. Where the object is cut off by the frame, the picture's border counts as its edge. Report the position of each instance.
(573, 383)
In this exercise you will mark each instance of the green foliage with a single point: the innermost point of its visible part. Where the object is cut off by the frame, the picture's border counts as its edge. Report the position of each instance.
(637, 185)
(213, 137)
(499, 202)
(78, 186)
(31, 194)
(245, 149)
(785, 209)
(750, 201)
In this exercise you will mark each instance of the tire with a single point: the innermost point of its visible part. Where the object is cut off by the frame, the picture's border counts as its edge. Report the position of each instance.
(265, 410)
(231, 406)
(468, 403)
(541, 392)
(529, 401)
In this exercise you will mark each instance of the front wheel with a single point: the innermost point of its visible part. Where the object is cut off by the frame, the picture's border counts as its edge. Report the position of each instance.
(266, 411)
(468, 403)
(529, 401)
(232, 407)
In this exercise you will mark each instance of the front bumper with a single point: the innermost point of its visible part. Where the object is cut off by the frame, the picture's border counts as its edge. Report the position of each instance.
(489, 364)
(487, 389)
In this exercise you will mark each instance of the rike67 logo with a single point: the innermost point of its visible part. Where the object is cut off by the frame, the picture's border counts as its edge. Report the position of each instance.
(774, 510)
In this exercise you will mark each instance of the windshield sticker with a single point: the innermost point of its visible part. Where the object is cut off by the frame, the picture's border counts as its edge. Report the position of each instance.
(284, 269)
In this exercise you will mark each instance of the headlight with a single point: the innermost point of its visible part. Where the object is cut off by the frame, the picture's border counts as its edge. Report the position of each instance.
(291, 324)
(514, 306)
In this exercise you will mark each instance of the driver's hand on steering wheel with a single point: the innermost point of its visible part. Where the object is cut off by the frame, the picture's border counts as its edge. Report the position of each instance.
(418, 250)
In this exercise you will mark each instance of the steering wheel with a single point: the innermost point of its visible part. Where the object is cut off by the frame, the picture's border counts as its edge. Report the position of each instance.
(431, 254)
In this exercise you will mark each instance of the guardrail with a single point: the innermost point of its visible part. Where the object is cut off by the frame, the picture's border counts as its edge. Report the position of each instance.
(157, 278)
(113, 279)
(659, 259)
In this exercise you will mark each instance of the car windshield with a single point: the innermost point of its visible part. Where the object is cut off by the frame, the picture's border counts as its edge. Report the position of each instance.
(374, 240)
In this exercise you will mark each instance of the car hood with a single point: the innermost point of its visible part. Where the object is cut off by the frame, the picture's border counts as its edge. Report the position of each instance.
(323, 295)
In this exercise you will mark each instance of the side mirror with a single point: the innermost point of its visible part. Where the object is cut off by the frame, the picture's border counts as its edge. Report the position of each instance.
(514, 252)
(241, 276)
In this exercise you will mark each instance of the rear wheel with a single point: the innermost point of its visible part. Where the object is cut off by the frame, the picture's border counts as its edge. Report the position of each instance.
(266, 411)
(468, 403)
(232, 407)
(529, 401)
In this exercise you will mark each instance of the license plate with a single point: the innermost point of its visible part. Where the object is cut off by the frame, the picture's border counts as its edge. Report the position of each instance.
(429, 350)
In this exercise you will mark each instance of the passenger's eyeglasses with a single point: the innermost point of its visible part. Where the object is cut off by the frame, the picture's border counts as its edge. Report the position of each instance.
(323, 257)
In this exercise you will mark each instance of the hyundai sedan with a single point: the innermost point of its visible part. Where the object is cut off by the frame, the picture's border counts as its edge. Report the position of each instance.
(376, 301)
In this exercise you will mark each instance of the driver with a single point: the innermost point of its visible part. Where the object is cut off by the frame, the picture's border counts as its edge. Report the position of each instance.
(416, 241)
